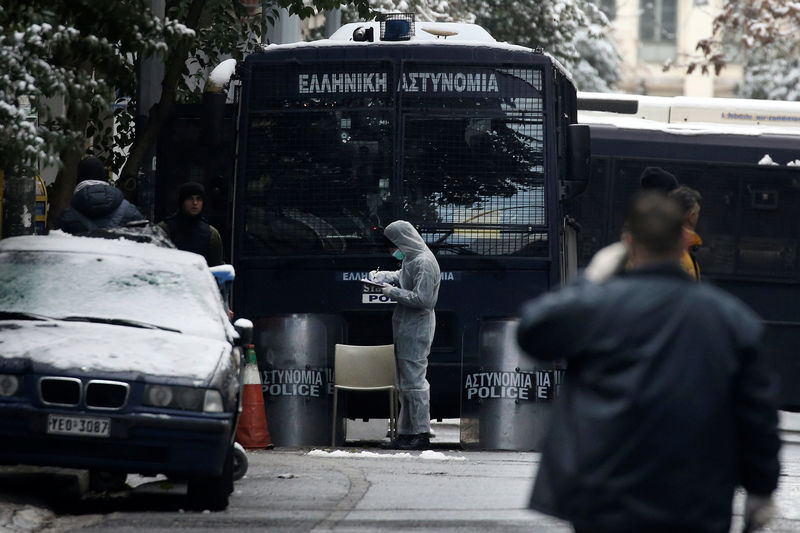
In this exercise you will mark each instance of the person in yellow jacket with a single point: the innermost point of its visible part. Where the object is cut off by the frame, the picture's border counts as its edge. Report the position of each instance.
(689, 200)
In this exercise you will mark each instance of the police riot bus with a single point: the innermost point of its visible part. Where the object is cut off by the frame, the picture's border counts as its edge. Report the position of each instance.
(472, 141)
(748, 173)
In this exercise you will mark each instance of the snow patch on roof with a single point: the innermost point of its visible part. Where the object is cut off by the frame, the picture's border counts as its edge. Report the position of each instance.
(681, 128)
(221, 75)
(423, 31)
(463, 35)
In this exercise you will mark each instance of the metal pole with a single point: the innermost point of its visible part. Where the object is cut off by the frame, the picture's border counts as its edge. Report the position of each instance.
(151, 74)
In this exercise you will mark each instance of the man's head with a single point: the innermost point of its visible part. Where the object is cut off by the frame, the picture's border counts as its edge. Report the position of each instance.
(689, 201)
(191, 196)
(654, 230)
(657, 179)
(91, 168)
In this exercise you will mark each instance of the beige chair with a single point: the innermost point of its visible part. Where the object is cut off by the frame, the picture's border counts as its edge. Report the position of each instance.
(365, 368)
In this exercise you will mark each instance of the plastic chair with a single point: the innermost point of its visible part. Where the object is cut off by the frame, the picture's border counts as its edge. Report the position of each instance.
(365, 368)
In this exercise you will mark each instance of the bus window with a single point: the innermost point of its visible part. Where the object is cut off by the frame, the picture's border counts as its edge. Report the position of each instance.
(321, 176)
(318, 183)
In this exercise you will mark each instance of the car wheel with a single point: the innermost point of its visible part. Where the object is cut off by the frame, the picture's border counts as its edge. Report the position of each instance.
(212, 492)
(239, 462)
(106, 481)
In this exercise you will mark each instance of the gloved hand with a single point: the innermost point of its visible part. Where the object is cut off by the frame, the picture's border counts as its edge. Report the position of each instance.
(387, 290)
(758, 510)
(377, 276)
(607, 262)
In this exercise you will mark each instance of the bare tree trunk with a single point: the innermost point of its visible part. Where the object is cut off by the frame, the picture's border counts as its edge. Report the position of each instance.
(78, 118)
(174, 67)
(61, 194)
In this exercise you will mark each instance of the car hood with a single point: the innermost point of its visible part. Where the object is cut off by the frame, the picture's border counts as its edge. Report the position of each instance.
(102, 348)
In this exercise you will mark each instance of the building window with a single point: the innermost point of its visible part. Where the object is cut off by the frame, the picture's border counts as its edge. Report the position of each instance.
(657, 29)
(608, 7)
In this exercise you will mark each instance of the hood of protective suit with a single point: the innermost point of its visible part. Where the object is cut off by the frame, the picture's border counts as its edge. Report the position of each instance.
(406, 238)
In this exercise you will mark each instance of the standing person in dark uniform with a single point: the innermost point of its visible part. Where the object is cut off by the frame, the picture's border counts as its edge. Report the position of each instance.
(96, 204)
(189, 230)
(668, 403)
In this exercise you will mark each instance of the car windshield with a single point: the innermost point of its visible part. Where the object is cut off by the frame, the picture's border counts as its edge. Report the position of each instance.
(133, 291)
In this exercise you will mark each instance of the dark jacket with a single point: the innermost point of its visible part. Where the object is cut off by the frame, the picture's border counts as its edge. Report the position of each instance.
(194, 234)
(98, 206)
(667, 404)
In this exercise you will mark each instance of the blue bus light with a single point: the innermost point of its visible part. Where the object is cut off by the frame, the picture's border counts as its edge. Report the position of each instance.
(397, 30)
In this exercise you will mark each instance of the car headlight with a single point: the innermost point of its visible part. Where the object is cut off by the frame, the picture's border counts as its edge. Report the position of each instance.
(185, 398)
(157, 395)
(9, 384)
(213, 402)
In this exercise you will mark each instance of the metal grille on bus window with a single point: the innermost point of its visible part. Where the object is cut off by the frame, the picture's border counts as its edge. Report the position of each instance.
(475, 186)
(319, 158)
(318, 182)
(320, 167)
(747, 220)
(473, 158)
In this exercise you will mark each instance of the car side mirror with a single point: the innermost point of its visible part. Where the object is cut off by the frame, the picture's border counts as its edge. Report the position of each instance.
(244, 328)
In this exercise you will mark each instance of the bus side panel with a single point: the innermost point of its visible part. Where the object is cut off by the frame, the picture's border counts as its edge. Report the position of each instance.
(776, 304)
(748, 223)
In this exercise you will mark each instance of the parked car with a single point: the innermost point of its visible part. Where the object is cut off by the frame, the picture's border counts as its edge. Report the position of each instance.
(117, 357)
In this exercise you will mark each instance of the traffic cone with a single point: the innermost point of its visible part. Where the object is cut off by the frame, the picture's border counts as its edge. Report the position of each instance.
(252, 431)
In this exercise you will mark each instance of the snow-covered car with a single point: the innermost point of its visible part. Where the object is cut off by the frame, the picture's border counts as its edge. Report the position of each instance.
(117, 357)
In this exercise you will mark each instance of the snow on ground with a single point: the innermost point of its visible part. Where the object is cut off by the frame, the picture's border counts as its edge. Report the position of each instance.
(426, 455)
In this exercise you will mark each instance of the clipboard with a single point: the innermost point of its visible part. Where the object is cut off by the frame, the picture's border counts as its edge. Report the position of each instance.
(366, 281)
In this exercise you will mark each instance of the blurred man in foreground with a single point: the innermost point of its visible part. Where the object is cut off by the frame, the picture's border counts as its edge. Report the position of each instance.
(668, 404)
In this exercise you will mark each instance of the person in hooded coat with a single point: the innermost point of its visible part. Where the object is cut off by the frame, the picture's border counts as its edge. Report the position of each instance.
(96, 204)
(668, 402)
(689, 200)
(415, 288)
(188, 228)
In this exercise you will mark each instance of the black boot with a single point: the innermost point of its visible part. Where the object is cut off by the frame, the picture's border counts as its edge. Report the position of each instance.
(419, 441)
(396, 444)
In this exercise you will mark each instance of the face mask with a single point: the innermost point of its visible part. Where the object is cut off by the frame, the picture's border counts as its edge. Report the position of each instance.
(398, 255)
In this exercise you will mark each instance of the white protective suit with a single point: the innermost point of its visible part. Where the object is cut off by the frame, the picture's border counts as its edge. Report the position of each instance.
(413, 323)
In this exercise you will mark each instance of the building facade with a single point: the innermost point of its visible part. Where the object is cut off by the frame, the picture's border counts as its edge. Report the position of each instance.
(650, 33)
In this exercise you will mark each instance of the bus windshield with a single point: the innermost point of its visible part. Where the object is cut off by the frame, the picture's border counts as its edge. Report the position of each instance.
(335, 152)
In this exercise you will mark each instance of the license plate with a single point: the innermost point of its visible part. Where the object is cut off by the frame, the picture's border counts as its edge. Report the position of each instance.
(85, 426)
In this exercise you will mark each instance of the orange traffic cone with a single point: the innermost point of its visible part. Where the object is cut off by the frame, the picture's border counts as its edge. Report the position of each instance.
(252, 431)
